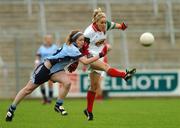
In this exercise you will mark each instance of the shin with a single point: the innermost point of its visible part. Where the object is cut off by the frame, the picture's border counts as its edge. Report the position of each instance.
(24, 92)
(95, 83)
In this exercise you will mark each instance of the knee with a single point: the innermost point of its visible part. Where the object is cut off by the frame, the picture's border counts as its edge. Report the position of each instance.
(94, 87)
(106, 67)
(67, 85)
(28, 91)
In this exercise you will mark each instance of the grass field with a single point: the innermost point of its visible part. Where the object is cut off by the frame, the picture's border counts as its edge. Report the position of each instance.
(112, 113)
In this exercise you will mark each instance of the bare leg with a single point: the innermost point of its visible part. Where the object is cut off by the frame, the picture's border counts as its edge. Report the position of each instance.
(113, 72)
(30, 86)
(99, 65)
(95, 83)
(24, 92)
(63, 78)
(99, 92)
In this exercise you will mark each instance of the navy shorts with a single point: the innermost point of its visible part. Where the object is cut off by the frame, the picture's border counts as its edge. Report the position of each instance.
(41, 74)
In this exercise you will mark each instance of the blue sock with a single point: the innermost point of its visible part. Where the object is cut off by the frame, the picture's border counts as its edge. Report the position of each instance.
(12, 108)
(50, 93)
(59, 102)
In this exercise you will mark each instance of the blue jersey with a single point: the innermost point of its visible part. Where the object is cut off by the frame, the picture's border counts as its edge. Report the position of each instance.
(44, 51)
(64, 56)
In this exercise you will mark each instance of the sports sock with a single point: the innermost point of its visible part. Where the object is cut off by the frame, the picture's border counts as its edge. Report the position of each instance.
(59, 102)
(43, 92)
(90, 100)
(50, 93)
(12, 108)
(113, 72)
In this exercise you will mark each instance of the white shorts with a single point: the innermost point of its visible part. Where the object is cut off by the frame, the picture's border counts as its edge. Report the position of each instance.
(102, 73)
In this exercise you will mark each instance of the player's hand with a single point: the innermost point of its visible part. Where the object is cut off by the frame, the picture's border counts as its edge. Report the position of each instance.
(84, 68)
(108, 47)
(73, 67)
(84, 49)
(123, 26)
(104, 51)
(36, 63)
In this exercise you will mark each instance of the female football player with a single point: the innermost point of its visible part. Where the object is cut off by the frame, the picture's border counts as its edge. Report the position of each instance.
(45, 50)
(95, 36)
(53, 68)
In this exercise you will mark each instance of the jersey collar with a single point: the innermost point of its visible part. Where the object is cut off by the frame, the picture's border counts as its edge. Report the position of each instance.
(95, 27)
(47, 45)
(75, 44)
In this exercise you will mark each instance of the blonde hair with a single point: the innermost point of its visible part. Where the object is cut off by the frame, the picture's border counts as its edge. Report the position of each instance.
(97, 15)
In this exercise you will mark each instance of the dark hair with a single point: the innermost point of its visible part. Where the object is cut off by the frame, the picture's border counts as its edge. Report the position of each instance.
(72, 37)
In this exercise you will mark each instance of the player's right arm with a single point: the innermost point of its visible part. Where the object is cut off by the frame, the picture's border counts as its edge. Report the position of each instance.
(87, 40)
(86, 60)
(37, 61)
(37, 58)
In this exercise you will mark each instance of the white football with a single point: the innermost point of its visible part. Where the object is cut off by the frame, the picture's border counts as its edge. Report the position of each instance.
(147, 39)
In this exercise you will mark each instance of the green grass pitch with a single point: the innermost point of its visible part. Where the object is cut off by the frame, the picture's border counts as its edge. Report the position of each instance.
(111, 113)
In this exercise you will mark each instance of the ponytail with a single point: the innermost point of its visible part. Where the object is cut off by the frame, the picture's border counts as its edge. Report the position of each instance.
(97, 15)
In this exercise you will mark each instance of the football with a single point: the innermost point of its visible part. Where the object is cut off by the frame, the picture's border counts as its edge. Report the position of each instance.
(147, 39)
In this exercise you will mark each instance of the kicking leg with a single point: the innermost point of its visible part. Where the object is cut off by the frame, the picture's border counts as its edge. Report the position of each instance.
(113, 72)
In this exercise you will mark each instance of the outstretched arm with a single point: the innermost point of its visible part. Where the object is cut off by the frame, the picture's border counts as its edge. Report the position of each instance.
(113, 25)
(121, 26)
(86, 60)
(37, 60)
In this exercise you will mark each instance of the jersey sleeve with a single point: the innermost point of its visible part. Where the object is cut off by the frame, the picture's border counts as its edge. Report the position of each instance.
(38, 53)
(74, 52)
(88, 33)
(87, 36)
(110, 25)
(65, 54)
(55, 47)
(56, 57)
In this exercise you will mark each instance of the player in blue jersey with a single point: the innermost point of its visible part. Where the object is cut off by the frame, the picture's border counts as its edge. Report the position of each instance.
(45, 50)
(53, 68)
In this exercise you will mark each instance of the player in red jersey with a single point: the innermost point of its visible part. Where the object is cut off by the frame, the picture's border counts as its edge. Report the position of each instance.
(95, 35)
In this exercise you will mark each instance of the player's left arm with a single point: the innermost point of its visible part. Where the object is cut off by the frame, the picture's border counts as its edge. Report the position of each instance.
(113, 25)
(109, 47)
(37, 58)
(121, 26)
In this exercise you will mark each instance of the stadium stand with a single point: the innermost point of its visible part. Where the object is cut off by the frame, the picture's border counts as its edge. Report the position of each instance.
(21, 34)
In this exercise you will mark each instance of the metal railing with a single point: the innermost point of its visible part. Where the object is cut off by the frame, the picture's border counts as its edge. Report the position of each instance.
(18, 33)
